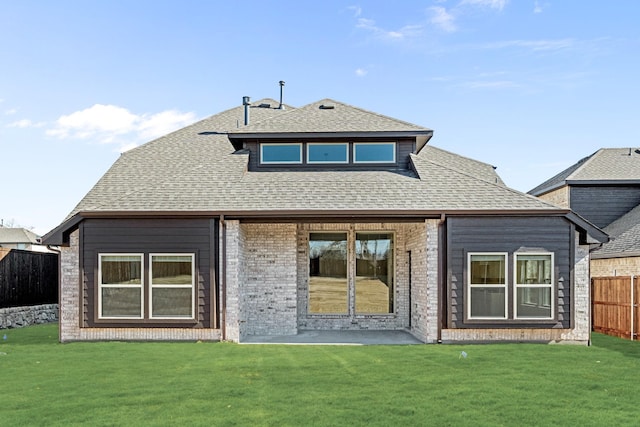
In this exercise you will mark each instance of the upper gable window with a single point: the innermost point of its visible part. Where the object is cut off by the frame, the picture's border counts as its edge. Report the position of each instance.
(327, 153)
(374, 152)
(280, 153)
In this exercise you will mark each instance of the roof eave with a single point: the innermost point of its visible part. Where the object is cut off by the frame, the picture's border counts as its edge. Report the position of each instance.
(593, 234)
(427, 133)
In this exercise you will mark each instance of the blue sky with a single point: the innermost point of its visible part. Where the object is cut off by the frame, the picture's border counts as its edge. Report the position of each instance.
(527, 86)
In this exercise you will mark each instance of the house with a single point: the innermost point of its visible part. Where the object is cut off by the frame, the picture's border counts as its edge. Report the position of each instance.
(267, 219)
(604, 188)
(21, 238)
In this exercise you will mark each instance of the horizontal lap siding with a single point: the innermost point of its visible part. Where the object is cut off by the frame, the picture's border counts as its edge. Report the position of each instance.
(149, 236)
(603, 204)
(507, 234)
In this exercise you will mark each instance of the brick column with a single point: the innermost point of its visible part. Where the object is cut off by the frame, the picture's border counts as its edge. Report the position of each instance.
(581, 332)
(70, 285)
(234, 261)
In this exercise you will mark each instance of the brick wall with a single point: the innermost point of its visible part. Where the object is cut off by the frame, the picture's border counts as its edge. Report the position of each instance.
(558, 197)
(269, 271)
(628, 266)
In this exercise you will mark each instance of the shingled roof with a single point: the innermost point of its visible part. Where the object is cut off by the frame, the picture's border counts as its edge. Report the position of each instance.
(625, 236)
(605, 166)
(197, 170)
(18, 235)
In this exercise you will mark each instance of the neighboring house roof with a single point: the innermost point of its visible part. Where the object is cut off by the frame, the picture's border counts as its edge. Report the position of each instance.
(18, 235)
(605, 166)
(197, 170)
(625, 237)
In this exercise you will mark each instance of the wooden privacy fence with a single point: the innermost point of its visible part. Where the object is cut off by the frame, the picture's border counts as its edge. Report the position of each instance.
(615, 306)
(27, 278)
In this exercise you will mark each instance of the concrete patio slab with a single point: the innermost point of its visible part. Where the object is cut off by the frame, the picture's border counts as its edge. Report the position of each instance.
(313, 337)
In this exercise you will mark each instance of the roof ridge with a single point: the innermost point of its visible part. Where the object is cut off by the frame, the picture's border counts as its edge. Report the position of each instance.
(460, 155)
(370, 112)
(289, 110)
(587, 160)
(504, 187)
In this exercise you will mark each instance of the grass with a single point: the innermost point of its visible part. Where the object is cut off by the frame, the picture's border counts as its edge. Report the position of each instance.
(116, 383)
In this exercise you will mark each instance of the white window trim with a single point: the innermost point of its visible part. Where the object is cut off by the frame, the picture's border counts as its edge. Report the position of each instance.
(170, 286)
(518, 286)
(263, 162)
(505, 286)
(356, 144)
(101, 285)
(346, 311)
(344, 144)
(395, 299)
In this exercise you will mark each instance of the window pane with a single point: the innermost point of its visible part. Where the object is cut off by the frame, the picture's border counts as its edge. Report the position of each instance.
(533, 269)
(171, 270)
(374, 273)
(121, 270)
(327, 153)
(281, 153)
(171, 302)
(487, 302)
(375, 152)
(487, 270)
(121, 302)
(534, 302)
(328, 291)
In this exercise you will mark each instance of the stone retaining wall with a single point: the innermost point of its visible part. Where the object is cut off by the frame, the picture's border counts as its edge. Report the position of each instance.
(17, 317)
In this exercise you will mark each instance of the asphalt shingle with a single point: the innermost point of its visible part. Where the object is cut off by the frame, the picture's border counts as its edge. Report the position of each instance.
(197, 169)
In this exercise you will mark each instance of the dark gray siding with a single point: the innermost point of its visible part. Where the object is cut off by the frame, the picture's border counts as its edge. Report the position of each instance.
(151, 236)
(602, 205)
(507, 234)
(403, 149)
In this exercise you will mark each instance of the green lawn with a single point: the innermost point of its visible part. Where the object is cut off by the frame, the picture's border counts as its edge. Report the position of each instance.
(46, 383)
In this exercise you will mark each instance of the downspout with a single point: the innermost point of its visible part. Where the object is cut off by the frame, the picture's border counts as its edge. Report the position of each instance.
(223, 279)
(442, 258)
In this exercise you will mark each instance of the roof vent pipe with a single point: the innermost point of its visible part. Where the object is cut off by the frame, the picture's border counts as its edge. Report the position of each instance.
(281, 106)
(246, 101)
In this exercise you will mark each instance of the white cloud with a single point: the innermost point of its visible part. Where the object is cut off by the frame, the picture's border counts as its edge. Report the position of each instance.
(361, 72)
(535, 45)
(10, 111)
(537, 7)
(442, 18)
(402, 33)
(156, 125)
(25, 123)
(493, 4)
(357, 10)
(113, 124)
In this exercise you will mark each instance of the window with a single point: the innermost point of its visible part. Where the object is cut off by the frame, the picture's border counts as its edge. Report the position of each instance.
(280, 153)
(374, 152)
(351, 273)
(172, 286)
(120, 286)
(327, 153)
(374, 273)
(487, 285)
(328, 287)
(534, 287)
